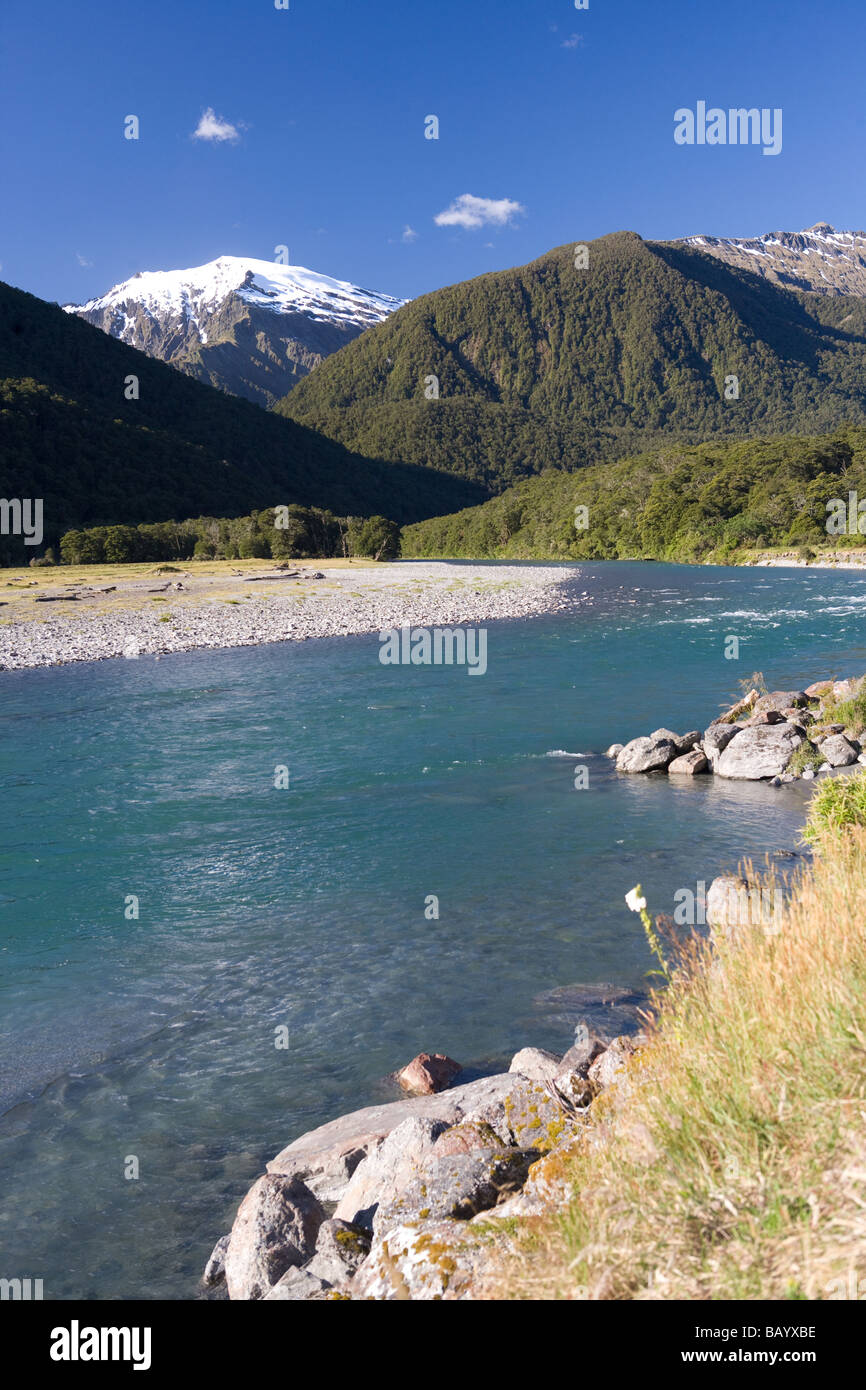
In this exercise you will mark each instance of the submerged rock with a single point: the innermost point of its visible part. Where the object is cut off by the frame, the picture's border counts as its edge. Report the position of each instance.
(428, 1073)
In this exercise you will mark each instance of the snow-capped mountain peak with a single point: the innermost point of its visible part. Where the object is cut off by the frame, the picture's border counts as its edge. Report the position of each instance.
(271, 322)
(819, 258)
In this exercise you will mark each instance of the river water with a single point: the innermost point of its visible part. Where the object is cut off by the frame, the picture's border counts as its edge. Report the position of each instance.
(148, 1043)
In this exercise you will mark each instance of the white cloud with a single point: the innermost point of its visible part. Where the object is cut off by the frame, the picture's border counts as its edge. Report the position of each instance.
(82, 260)
(213, 127)
(572, 42)
(471, 212)
(409, 233)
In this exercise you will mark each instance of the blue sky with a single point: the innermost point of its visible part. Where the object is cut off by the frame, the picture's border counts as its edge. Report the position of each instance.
(566, 113)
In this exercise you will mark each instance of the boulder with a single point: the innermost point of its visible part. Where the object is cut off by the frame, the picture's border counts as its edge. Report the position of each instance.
(817, 689)
(716, 739)
(341, 1248)
(689, 764)
(326, 1158)
(384, 1175)
(463, 1138)
(763, 751)
(549, 1182)
(726, 899)
(574, 1088)
(646, 755)
(688, 742)
(614, 750)
(298, 1286)
(609, 1068)
(846, 690)
(436, 1260)
(275, 1228)
(803, 717)
(215, 1269)
(535, 1063)
(581, 1056)
(766, 716)
(428, 1073)
(839, 751)
(456, 1186)
(782, 699)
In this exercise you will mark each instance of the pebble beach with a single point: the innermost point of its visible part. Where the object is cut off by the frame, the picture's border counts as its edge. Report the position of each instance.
(47, 622)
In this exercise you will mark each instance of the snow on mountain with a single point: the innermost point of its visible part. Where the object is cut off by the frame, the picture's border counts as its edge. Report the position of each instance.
(820, 258)
(248, 326)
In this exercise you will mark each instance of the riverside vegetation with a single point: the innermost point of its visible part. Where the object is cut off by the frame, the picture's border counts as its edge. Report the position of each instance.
(718, 1152)
(732, 1164)
(716, 502)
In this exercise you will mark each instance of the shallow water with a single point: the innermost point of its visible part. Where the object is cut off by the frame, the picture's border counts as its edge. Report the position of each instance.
(261, 907)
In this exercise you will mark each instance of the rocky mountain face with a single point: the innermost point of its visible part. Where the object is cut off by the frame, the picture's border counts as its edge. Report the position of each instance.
(819, 258)
(252, 328)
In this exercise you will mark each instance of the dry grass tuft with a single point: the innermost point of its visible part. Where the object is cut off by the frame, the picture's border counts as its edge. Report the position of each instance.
(732, 1165)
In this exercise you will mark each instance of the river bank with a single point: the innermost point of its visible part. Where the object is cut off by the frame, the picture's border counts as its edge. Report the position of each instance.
(434, 1197)
(52, 617)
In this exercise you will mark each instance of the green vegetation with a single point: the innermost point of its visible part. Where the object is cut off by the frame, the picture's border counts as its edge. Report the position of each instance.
(69, 436)
(547, 366)
(302, 533)
(675, 503)
(851, 713)
(839, 803)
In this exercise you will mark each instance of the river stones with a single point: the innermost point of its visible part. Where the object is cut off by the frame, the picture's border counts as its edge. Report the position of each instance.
(781, 700)
(275, 1228)
(839, 751)
(689, 764)
(762, 751)
(646, 755)
(716, 739)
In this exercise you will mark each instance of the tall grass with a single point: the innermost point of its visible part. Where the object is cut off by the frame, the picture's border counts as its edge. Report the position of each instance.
(732, 1162)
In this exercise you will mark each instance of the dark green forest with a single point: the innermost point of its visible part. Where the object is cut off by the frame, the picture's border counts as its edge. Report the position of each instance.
(296, 533)
(68, 435)
(675, 502)
(549, 366)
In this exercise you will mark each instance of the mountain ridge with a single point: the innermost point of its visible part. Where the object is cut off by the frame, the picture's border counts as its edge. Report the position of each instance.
(70, 435)
(250, 327)
(548, 364)
(819, 259)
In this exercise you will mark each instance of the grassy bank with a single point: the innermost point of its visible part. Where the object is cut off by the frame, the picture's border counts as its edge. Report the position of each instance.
(731, 1163)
